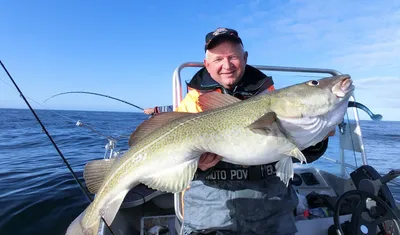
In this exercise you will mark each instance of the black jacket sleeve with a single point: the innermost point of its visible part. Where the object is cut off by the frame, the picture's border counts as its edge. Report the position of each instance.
(313, 153)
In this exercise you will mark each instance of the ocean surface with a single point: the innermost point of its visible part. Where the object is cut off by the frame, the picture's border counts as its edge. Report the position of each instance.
(38, 194)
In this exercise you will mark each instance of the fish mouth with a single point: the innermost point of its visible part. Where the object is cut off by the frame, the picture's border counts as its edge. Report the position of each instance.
(344, 87)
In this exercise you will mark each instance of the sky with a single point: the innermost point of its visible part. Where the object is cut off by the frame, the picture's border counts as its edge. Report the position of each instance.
(130, 49)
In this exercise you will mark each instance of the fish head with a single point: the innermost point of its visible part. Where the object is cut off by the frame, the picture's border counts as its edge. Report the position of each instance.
(309, 111)
(313, 98)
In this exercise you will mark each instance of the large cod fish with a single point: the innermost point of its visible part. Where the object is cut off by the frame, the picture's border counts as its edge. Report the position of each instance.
(165, 149)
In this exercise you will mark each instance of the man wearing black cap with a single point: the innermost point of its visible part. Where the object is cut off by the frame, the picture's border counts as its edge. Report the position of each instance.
(232, 199)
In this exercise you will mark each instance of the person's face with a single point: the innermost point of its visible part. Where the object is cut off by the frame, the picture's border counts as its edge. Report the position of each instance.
(226, 63)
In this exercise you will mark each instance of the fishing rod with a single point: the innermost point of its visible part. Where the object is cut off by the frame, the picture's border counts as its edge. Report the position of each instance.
(94, 93)
(52, 141)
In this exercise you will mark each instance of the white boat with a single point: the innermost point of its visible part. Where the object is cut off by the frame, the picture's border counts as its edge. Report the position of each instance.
(144, 209)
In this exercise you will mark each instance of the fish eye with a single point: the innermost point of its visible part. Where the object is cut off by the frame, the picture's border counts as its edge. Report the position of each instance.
(313, 83)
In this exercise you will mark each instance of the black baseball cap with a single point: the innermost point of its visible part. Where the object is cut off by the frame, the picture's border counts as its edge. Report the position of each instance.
(219, 35)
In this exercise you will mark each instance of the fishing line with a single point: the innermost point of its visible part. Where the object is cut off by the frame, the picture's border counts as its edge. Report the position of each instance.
(93, 93)
(52, 141)
(6, 83)
(77, 123)
(34, 101)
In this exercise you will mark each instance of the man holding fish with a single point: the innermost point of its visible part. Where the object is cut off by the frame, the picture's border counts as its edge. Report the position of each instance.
(250, 135)
(232, 198)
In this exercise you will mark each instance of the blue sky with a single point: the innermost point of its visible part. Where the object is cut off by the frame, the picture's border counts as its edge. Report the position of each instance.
(129, 49)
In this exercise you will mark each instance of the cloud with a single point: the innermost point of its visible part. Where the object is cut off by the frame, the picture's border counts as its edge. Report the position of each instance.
(381, 92)
(350, 34)
(366, 83)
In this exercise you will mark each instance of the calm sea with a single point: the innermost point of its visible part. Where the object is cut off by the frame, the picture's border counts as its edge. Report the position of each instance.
(38, 194)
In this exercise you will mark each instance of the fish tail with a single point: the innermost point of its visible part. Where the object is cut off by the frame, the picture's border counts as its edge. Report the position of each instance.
(77, 228)
(89, 224)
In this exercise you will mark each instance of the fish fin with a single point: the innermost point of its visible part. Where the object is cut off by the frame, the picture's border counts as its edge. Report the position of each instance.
(172, 180)
(213, 100)
(263, 122)
(296, 153)
(154, 123)
(284, 167)
(76, 228)
(95, 172)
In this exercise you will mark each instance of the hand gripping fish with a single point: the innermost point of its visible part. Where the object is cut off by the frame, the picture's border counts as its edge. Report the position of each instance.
(263, 129)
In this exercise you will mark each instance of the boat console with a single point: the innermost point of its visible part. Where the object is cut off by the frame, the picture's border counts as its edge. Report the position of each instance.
(317, 189)
(309, 179)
